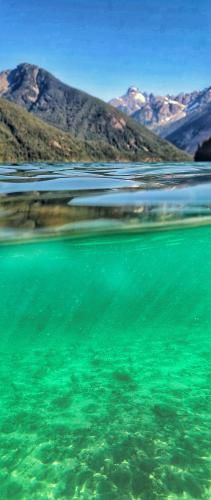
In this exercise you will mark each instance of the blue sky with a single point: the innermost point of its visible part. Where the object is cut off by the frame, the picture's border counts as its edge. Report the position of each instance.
(103, 46)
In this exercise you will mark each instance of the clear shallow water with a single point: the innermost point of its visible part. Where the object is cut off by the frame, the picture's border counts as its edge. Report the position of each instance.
(105, 340)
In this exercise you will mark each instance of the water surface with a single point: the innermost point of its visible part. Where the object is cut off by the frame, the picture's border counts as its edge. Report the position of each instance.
(46, 199)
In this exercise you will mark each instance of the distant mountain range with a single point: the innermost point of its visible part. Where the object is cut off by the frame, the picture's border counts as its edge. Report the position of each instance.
(184, 119)
(70, 125)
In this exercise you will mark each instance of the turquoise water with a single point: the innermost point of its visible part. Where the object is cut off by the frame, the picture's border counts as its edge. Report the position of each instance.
(105, 342)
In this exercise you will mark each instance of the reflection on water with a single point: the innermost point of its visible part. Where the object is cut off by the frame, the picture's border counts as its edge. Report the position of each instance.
(38, 199)
(105, 341)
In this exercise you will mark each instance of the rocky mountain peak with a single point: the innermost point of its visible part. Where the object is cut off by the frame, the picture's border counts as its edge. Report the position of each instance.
(149, 109)
(164, 114)
(27, 66)
(133, 90)
(136, 94)
(131, 101)
(20, 83)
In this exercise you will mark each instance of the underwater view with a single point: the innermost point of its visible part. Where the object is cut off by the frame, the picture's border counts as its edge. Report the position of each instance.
(105, 322)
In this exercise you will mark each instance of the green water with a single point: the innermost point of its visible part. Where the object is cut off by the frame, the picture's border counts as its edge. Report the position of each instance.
(104, 373)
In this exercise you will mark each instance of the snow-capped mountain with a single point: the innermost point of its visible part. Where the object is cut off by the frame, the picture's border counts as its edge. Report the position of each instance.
(169, 115)
(154, 111)
(132, 101)
(159, 111)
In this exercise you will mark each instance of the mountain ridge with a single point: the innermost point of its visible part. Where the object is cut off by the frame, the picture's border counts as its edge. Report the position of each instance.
(168, 115)
(193, 131)
(26, 138)
(85, 117)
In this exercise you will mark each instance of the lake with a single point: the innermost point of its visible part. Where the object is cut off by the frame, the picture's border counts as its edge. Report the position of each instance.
(105, 320)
